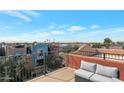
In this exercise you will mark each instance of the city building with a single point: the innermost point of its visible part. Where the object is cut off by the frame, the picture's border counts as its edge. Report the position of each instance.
(3, 48)
(54, 48)
(34, 55)
(39, 57)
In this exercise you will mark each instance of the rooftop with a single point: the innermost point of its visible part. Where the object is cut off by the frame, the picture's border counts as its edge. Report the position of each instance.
(65, 74)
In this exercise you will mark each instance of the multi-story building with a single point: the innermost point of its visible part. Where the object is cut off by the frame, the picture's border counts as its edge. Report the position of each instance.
(39, 53)
(3, 49)
(34, 55)
(18, 49)
(54, 48)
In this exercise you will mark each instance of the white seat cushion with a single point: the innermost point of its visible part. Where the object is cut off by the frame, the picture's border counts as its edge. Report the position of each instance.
(100, 78)
(116, 80)
(88, 66)
(83, 73)
(107, 71)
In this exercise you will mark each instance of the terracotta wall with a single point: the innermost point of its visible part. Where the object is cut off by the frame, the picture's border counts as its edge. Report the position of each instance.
(73, 61)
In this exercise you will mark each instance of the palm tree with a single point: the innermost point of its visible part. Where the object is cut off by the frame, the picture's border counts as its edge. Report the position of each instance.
(10, 71)
(6, 69)
(19, 68)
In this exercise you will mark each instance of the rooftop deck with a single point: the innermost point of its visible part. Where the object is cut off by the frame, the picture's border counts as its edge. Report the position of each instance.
(65, 74)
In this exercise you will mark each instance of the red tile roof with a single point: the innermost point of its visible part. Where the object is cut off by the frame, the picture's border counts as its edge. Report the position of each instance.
(107, 51)
(111, 51)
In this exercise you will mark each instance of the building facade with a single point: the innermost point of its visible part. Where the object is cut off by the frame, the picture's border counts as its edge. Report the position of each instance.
(39, 57)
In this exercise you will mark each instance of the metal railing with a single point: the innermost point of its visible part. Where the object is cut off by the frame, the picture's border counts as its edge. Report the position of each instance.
(102, 55)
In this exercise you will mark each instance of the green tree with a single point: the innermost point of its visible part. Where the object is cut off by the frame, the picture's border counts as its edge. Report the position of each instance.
(75, 47)
(107, 42)
(20, 71)
(10, 71)
(6, 69)
(66, 49)
(54, 62)
(96, 45)
(70, 49)
(123, 47)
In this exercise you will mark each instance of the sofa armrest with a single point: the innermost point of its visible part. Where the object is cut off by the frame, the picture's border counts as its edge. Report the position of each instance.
(116, 80)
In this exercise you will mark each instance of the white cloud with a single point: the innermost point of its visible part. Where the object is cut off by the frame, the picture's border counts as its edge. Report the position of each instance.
(16, 14)
(43, 34)
(76, 28)
(51, 27)
(117, 30)
(59, 27)
(20, 14)
(6, 28)
(9, 27)
(95, 26)
(31, 13)
(36, 34)
(39, 35)
(108, 32)
(12, 39)
(57, 32)
(63, 26)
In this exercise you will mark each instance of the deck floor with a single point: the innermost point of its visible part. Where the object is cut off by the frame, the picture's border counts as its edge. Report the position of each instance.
(65, 74)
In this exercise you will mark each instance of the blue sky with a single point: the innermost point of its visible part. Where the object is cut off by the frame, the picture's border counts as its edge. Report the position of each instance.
(67, 26)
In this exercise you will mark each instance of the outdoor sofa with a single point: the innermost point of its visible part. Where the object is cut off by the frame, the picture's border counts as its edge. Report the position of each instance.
(92, 72)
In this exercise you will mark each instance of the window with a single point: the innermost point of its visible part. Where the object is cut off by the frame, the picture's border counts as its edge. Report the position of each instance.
(40, 53)
(19, 59)
(19, 46)
(28, 50)
(40, 62)
(2, 51)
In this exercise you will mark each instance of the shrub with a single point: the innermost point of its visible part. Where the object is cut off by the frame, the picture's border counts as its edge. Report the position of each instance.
(55, 62)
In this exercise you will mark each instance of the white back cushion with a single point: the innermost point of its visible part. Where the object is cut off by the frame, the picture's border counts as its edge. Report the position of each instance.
(107, 71)
(88, 66)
